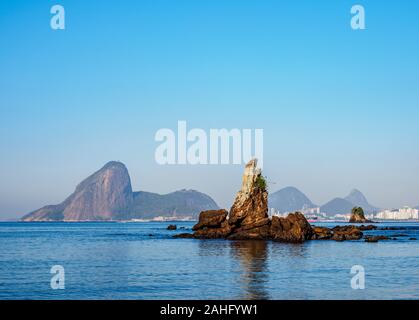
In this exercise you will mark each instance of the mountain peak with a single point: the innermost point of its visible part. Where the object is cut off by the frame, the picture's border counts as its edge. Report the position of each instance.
(355, 191)
(107, 195)
(289, 199)
(357, 198)
(114, 164)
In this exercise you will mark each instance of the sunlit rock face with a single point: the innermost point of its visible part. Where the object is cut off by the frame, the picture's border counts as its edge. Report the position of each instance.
(251, 204)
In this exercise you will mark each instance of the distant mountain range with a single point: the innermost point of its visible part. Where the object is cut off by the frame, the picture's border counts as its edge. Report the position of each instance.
(291, 199)
(107, 195)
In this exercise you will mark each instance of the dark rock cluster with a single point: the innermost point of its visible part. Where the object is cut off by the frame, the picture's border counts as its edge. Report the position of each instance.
(248, 219)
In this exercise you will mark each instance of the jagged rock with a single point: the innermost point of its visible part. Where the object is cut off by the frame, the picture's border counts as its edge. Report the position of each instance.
(357, 216)
(211, 219)
(251, 203)
(393, 228)
(171, 227)
(341, 233)
(293, 228)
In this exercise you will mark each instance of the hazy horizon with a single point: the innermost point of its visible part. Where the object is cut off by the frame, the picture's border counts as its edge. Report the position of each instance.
(339, 108)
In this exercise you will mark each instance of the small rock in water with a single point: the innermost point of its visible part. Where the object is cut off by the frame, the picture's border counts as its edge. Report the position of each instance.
(413, 239)
(172, 227)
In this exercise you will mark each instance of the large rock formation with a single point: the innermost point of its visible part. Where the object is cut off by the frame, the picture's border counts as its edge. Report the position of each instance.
(107, 195)
(248, 217)
(178, 204)
(357, 216)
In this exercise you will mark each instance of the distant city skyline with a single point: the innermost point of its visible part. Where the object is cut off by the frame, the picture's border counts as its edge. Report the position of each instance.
(339, 108)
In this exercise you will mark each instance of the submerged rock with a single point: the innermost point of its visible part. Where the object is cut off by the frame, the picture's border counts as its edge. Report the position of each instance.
(248, 218)
(375, 238)
(321, 233)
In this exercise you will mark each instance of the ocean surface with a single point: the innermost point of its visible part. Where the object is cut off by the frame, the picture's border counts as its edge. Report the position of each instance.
(142, 261)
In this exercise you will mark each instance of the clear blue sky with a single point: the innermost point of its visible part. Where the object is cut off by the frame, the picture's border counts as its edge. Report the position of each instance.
(339, 108)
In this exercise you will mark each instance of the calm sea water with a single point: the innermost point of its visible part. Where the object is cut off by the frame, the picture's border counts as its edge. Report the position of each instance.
(142, 261)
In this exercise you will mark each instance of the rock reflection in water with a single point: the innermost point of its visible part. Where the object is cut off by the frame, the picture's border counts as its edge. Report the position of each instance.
(252, 256)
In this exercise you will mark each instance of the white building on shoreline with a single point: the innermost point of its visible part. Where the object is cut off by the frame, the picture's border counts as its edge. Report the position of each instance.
(405, 213)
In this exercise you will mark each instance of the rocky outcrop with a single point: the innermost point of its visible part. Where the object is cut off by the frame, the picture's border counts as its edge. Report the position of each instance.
(107, 195)
(375, 238)
(251, 203)
(248, 218)
(357, 216)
